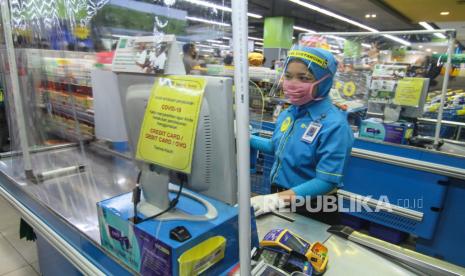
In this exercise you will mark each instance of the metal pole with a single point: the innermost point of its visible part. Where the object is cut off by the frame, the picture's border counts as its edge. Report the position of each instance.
(19, 114)
(445, 83)
(384, 33)
(241, 81)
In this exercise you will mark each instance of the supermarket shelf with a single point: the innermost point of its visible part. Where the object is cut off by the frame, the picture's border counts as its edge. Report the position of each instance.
(62, 131)
(81, 94)
(82, 116)
(66, 80)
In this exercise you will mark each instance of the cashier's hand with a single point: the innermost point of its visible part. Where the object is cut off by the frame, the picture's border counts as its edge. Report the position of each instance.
(263, 204)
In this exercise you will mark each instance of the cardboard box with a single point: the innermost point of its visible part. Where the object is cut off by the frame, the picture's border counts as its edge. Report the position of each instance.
(148, 249)
(398, 132)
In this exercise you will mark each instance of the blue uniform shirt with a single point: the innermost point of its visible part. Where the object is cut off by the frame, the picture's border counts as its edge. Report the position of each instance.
(298, 161)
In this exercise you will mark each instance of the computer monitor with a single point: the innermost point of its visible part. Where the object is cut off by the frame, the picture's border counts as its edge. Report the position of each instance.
(214, 158)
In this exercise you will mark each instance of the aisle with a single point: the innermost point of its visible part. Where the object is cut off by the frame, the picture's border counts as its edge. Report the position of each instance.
(17, 257)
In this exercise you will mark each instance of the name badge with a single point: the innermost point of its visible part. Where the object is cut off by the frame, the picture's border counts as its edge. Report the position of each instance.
(311, 132)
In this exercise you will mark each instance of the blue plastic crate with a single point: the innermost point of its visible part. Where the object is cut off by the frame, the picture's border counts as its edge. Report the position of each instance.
(447, 132)
(260, 162)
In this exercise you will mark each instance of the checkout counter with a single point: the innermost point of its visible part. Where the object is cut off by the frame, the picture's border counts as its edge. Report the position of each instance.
(64, 215)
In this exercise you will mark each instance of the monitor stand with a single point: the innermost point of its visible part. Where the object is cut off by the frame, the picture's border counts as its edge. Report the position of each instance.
(155, 184)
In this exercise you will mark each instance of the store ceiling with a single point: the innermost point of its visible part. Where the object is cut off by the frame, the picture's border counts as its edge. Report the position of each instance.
(429, 10)
(390, 14)
(386, 19)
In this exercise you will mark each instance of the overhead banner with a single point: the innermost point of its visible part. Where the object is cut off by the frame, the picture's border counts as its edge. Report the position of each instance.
(168, 131)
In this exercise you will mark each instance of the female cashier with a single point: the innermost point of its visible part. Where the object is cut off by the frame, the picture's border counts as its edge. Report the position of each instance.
(312, 139)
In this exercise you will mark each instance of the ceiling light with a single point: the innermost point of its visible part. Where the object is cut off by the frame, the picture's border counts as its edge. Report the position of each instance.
(214, 41)
(345, 19)
(219, 7)
(255, 38)
(297, 28)
(428, 50)
(373, 15)
(400, 40)
(420, 46)
(366, 45)
(207, 21)
(337, 37)
(444, 13)
(435, 52)
(426, 25)
(332, 14)
(220, 45)
(367, 16)
(120, 36)
(429, 27)
(203, 46)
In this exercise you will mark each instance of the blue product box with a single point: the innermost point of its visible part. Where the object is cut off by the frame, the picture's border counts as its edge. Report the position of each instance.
(148, 249)
(397, 132)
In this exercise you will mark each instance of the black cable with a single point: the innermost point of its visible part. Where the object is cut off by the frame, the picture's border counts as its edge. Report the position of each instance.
(136, 193)
(173, 202)
(138, 177)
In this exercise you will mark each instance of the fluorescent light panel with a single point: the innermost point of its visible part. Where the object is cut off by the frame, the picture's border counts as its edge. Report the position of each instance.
(366, 45)
(220, 45)
(219, 7)
(297, 28)
(197, 19)
(429, 27)
(255, 38)
(203, 46)
(334, 15)
(345, 19)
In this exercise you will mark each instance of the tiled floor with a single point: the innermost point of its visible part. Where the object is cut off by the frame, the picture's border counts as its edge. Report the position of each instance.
(17, 257)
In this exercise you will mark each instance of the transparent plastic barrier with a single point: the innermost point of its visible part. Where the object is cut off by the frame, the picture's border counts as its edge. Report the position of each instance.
(59, 46)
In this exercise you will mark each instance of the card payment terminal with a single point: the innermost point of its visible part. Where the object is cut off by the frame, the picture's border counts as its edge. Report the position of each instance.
(283, 240)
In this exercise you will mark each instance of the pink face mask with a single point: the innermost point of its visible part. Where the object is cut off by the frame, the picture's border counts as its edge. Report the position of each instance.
(300, 93)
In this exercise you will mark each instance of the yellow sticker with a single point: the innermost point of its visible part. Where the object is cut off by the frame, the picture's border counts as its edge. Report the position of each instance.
(169, 127)
(349, 89)
(285, 125)
(310, 57)
(303, 126)
(81, 32)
